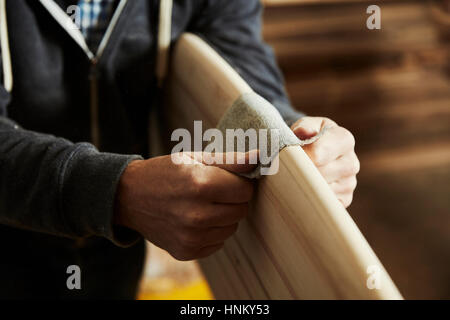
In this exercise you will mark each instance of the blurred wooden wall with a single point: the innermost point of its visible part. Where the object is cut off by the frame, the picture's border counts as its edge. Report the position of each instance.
(391, 88)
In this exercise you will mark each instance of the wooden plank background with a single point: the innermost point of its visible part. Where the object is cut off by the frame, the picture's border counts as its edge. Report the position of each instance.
(391, 88)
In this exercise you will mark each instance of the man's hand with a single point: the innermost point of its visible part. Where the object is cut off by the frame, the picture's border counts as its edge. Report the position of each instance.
(187, 209)
(333, 154)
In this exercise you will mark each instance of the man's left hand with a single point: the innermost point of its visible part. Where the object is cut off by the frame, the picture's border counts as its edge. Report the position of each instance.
(333, 154)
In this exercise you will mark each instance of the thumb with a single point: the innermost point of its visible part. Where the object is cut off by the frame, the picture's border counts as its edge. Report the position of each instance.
(307, 127)
(236, 162)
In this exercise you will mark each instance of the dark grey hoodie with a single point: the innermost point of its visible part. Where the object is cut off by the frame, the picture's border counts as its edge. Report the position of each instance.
(56, 189)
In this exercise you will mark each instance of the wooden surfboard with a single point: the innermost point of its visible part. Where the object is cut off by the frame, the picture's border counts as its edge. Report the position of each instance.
(298, 242)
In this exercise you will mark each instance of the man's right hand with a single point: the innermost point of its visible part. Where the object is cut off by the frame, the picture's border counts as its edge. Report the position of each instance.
(187, 209)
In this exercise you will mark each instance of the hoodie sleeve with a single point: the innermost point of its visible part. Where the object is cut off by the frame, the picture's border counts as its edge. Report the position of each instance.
(233, 28)
(51, 185)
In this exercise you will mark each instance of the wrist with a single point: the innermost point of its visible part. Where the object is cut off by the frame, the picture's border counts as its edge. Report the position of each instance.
(124, 193)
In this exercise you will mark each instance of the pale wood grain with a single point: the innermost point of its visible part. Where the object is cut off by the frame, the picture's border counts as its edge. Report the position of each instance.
(298, 242)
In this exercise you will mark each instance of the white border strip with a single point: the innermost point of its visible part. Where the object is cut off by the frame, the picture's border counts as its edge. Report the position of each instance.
(110, 28)
(66, 22)
(4, 43)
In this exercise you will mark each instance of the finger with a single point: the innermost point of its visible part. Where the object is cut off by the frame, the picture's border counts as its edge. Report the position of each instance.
(188, 254)
(335, 142)
(236, 162)
(207, 251)
(308, 127)
(225, 187)
(216, 236)
(213, 182)
(200, 237)
(344, 186)
(346, 199)
(341, 168)
(215, 215)
(228, 214)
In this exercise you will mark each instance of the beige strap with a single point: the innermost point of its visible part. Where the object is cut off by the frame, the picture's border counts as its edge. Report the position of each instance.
(4, 43)
(164, 36)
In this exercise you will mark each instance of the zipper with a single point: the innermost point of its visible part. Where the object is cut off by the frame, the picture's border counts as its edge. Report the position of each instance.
(94, 105)
(69, 26)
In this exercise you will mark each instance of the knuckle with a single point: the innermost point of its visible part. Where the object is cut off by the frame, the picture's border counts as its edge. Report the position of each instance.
(347, 200)
(189, 240)
(182, 255)
(199, 181)
(346, 190)
(348, 138)
(353, 183)
(349, 186)
(319, 156)
(357, 165)
(351, 167)
(177, 256)
(195, 218)
(348, 171)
